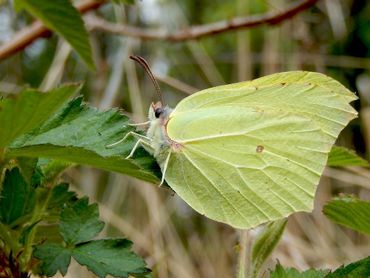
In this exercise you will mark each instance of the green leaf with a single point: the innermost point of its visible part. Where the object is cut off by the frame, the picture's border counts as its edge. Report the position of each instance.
(354, 270)
(54, 257)
(62, 17)
(79, 134)
(26, 232)
(52, 168)
(29, 110)
(17, 197)
(80, 222)
(60, 196)
(27, 167)
(110, 257)
(280, 272)
(48, 230)
(37, 178)
(265, 244)
(103, 257)
(340, 156)
(350, 212)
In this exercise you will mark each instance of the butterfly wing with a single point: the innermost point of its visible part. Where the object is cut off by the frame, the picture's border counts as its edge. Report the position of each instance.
(254, 151)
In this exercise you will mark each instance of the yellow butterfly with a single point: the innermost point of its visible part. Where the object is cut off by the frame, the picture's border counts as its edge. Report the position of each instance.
(249, 152)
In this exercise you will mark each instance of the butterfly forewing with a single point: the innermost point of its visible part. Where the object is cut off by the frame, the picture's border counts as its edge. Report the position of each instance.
(254, 151)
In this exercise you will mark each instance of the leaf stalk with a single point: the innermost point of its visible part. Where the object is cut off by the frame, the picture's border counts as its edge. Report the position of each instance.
(38, 213)
(8, 239)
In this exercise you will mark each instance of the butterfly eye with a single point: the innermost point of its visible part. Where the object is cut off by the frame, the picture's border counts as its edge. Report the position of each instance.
(158, 112)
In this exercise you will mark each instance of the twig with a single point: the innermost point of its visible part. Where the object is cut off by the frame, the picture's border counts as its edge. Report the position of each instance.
(195, 32)
(26, 36)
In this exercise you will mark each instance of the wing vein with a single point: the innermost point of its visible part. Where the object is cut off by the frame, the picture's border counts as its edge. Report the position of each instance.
(302, 188)
(187, 185)
(241, 176)
(294, 173)
(276, 194)
(215, 187)
(293, 161)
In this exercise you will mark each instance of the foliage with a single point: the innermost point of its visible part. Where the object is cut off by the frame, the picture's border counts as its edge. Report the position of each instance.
(349, 211)
(280, 272)
(24, 210)
(339, 157)
(352, 213)
(62, 17)
(18, 197)
(78, 224)
(360, 268)
(29, 110)
(76, 133)
(33, 203)
(265, 244)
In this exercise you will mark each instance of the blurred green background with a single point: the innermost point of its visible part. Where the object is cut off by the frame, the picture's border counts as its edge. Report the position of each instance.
(333, 37)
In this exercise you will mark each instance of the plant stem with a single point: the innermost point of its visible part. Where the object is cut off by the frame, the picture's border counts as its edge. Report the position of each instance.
(243, 259)
(7, 238)
(38, 213)
(2, 162)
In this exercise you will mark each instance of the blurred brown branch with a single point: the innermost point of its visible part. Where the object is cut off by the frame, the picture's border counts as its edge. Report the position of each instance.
(26, 36)
(195, 32)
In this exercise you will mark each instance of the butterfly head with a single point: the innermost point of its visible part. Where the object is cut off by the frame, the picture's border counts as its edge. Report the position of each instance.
(158, 118)
(158, 112)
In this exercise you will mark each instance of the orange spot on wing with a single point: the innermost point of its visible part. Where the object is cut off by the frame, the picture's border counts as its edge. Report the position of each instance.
(260, 148)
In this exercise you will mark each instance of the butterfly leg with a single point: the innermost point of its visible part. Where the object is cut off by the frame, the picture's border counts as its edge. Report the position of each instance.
(165, 168)
(139, 124)
(138, 142)
(131, 133)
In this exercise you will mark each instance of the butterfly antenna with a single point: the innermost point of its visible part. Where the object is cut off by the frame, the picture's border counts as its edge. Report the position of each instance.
(146, 67)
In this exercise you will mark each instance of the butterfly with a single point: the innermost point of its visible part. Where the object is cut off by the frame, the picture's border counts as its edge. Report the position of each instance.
(250, 152)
